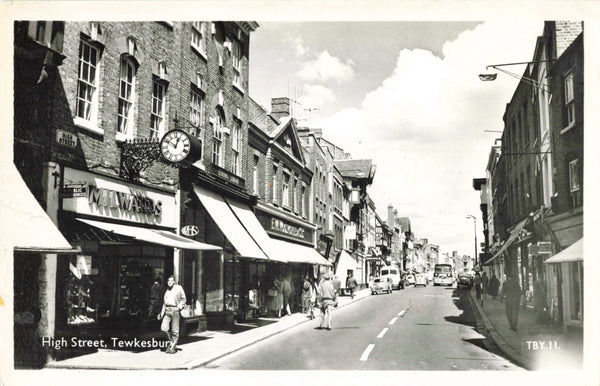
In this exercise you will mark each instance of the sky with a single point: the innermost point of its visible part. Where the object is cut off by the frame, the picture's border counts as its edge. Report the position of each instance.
(406, 95)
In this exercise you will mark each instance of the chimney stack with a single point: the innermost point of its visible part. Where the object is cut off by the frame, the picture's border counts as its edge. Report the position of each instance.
(280, 107)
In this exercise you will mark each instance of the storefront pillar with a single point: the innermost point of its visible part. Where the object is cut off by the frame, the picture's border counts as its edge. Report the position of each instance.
(52, 178)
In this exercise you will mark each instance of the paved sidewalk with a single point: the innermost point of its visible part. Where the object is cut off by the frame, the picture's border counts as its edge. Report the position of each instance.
(196, 350)
(523, 346)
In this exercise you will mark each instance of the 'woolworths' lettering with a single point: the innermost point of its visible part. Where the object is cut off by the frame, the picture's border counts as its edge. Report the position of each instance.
(124, 201)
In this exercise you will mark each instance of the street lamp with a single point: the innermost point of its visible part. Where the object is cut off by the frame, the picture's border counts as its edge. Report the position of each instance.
(475, 232)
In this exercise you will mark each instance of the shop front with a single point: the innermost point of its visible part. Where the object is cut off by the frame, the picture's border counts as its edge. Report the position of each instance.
(293, 240)
(125, 234)
(247, 268)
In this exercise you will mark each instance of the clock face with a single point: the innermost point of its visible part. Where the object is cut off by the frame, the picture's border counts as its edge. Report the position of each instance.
(175, 145)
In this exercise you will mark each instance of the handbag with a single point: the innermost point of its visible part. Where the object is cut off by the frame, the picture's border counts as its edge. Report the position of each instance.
(272, 292)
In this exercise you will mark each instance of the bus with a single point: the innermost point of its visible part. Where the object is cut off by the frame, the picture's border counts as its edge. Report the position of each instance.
(442, 275)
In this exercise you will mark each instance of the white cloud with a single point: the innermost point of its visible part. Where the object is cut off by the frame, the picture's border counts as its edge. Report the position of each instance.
(424, 128)
(316, 95)
(299, 46)
(326, 67)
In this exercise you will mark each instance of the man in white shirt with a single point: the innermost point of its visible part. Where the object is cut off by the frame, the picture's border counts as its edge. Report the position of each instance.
(173, 303)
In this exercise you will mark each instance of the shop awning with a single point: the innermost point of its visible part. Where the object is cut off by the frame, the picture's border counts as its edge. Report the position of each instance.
(25, 224)
(296, 253)
(228, 223)
(571, 254)
(251, 224)
(513, 236)
(154, 236)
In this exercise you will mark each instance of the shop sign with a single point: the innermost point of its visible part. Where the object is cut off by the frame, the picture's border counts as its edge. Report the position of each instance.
(541, 247)
(75, 190)
(190, 230)
(280, 226)
(284, 227)
(124, 201)
(109, 198)
(67, 139)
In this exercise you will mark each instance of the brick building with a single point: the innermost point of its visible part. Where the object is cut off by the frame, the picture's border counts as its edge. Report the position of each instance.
(536, 180)
(92, 101)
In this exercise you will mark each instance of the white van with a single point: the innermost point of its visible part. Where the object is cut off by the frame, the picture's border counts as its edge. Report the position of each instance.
(394, 274)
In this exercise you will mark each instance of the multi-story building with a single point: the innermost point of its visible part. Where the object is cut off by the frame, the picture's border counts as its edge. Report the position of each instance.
(565, 222)
(357, 175)
(536, 180)
(282, 182)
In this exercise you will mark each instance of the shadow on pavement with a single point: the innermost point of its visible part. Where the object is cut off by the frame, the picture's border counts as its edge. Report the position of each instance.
(461, 301)
(468, 318)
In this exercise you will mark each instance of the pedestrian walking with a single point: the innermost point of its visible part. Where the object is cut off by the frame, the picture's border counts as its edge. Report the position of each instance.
(286, 291)
(337, 285)
(173, 302)
(277, 303)
(513, 293)
(494, 285)
(306, 295)
(351, 285)
(327, 298)
(485, 281)
(477, 284)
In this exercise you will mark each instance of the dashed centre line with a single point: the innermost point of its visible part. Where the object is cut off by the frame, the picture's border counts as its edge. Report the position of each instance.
(401, 313)
(393, 320)
(382, 333)
(366, 353)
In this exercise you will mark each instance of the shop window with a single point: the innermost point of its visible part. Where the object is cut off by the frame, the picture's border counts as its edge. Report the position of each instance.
(102, 288)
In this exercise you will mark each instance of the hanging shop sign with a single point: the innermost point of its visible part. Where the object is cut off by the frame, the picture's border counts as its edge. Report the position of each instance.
(110, 198)
(190, 230)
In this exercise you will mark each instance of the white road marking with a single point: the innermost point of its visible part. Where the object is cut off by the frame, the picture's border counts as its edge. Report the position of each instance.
(401, 313)
(382, 333)
(393, 320)
(435, 296)
(365, 354)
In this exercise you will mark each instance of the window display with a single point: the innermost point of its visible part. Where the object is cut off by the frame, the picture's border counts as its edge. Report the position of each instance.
(80, 309)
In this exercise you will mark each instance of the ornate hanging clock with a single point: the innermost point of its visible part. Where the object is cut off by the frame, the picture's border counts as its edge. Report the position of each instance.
(178, 146)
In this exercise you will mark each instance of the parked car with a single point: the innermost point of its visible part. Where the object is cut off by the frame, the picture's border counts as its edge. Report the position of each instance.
(465, 280)
(393, 273)
(410, 279)
(380, 285)
(421, 279)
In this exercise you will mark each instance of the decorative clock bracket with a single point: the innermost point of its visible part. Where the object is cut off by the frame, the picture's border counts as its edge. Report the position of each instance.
(137, 155)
